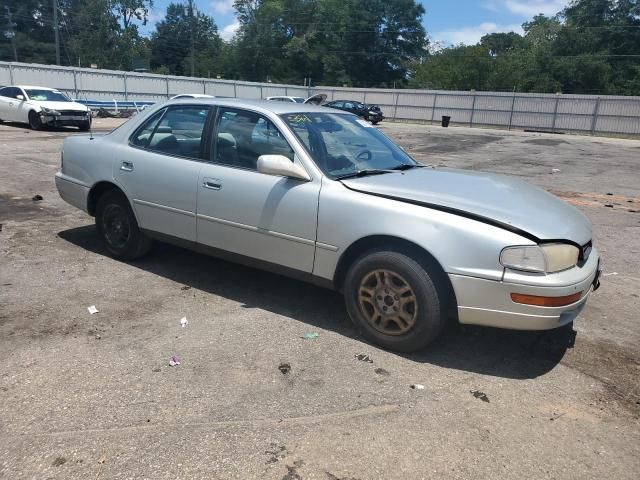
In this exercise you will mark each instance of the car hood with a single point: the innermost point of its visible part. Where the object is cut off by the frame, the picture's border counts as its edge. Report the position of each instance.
(61, 105)
(495, 199)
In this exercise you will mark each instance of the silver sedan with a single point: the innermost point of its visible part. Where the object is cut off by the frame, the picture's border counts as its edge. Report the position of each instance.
(325, 197)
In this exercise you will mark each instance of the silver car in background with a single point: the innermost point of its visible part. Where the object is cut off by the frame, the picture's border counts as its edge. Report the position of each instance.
(323, 196)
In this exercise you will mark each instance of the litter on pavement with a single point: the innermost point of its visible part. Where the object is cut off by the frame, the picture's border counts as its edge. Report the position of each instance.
(37, 198)
(363, 357)
(481, 395)
(417, 386)
(284, 368)
(184, 322)
(174, 361)
(310, 336)
(92, 309)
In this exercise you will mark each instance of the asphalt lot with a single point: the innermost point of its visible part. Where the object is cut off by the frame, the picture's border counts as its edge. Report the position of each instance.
(93, 396)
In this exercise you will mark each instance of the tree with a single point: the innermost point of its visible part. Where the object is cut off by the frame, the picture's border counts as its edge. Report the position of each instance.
(171, 42)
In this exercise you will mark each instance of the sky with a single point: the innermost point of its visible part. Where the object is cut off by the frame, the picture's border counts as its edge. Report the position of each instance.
(449, 22)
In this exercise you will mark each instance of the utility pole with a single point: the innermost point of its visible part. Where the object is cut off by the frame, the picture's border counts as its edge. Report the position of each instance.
(55, 30)
(10, 34)
(193, 61)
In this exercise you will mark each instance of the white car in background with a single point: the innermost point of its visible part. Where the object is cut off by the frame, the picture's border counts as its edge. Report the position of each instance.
(313, 100)
(40, 106)
(191, 95)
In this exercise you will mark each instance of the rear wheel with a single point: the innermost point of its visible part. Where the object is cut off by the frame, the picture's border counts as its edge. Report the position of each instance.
(34, 121)
(85, 126)
(118, 228)
(393, 300)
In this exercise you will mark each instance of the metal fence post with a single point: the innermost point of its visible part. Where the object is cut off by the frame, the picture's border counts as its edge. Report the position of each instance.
(204, 87)
(364, 99)
(235, 90)
(513, 104)
(395, 108)
(433, 109)
(167, 81)
(594, 119)
(555, 114)
(11, 74)
(126, 93)
(473, 109)
(75, 84)
(261, 93)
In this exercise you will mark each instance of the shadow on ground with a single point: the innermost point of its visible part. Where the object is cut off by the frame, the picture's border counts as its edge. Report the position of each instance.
(500, 353)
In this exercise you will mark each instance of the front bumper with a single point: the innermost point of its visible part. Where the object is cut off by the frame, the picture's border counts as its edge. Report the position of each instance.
(488, 302)
(64, 120)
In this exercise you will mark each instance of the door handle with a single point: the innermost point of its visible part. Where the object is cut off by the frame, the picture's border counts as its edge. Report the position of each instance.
(127, 166)
(212, 183)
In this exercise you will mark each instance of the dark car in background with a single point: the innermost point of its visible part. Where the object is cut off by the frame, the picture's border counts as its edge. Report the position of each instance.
(371, 113)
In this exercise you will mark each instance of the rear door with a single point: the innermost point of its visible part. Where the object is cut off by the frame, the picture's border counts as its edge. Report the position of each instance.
(8, 104)
(159, 169)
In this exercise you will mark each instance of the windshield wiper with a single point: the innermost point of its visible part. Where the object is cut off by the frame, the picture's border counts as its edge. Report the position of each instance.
(364, 173)
(406, 166)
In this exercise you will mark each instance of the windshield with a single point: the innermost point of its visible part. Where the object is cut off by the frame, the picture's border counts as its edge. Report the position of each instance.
(47, 95)
(343, 144)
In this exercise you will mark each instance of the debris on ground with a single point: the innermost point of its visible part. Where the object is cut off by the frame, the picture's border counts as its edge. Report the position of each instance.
(284, 368)
(0, 227)
(417, 386)
(555, 170)
(97, 336)
(175, 361)
(481, 395)
(608, 205)
(609, 274)
(92, 309)
(609, 193)
(156, 370)
(363, 357)
(102, 459)
(556, 416)
(382, 371)
(310, 336)
(37, 198)
(59, 461)
(184, 322)
(186, 287)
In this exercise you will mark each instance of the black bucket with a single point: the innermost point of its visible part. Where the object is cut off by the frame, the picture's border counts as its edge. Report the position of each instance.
(445, 121)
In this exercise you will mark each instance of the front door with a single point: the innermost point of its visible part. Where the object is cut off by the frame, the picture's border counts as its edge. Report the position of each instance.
(159, 169)
(267, 217)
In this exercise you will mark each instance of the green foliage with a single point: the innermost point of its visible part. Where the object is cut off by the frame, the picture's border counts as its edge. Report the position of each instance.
(593, 46)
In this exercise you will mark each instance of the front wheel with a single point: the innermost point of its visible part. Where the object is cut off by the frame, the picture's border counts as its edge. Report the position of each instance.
(118, 228)
(393, 301)
(34, 121)
(85, 126)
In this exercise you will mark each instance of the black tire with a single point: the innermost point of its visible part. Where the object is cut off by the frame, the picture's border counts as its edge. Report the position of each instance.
(118, 228)
(34, 121)
(375, 122)
(85, 126)
(427, 312)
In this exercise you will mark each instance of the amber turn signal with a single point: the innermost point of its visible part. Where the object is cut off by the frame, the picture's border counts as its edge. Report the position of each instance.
(546, 301)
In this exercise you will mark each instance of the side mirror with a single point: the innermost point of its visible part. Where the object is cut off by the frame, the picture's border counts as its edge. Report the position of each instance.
(20, 97)
(281, 165)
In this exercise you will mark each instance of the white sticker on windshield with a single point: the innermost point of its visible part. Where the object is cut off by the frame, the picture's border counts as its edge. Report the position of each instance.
(364, 123)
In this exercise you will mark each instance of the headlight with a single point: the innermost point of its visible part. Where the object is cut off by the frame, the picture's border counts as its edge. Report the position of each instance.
(546, 258)
(50, 111)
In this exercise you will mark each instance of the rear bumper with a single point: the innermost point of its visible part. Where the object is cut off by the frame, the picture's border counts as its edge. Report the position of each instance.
(488, 302)
(72, 192)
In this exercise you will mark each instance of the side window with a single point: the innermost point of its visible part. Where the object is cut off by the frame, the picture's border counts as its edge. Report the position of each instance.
(141, 136)
(4, 92)
(348, 105)
(337, 104)
(243, 136)
(180, 131)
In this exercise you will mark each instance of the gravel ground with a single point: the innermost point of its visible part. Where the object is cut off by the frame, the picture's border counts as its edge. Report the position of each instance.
(93, 396)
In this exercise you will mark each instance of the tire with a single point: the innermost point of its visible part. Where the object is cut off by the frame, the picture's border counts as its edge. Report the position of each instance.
(85, 126)
(375, 122)
(34, 121)
(377, 281)
(118, 228)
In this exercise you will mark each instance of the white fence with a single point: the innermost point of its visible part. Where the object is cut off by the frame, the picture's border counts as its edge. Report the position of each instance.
(585, 114)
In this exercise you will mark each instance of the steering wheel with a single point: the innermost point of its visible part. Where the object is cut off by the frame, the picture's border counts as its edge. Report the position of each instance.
(364, 156)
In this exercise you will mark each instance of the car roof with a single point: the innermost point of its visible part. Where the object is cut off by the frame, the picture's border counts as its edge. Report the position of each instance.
(24, 87)
(265, 105)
